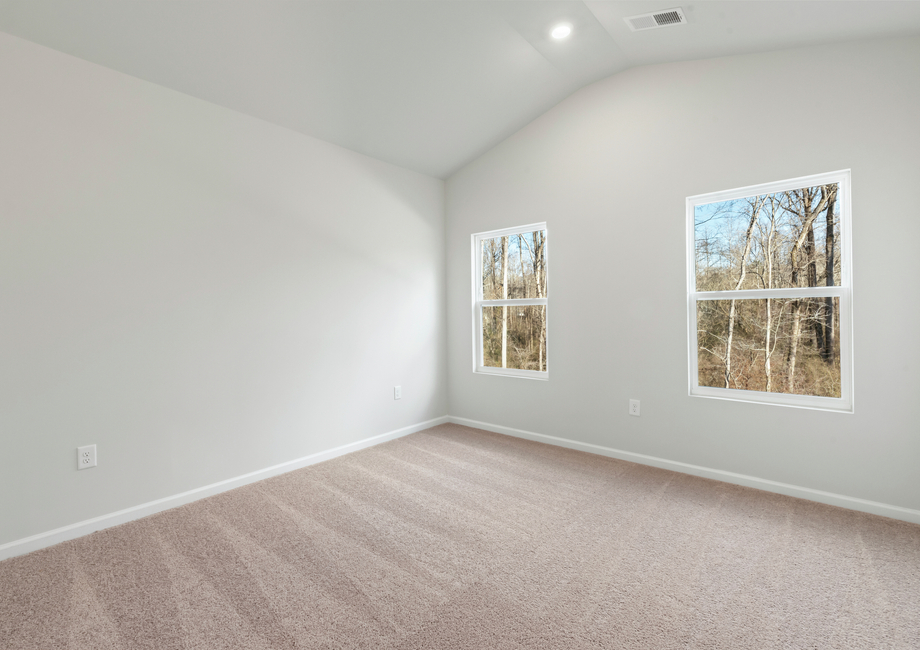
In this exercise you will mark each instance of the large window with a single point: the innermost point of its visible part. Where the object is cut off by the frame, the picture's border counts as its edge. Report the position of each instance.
(510, 302)
(769, 288)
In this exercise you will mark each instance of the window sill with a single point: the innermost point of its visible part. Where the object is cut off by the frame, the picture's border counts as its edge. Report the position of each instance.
(833, 404)
(511, 372)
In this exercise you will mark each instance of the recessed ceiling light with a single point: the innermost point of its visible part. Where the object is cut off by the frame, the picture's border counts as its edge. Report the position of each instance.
(561, 31)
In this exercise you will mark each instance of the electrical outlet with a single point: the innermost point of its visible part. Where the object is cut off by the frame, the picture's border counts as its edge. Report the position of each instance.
(634, 407)
(397, 392)
(86, 457)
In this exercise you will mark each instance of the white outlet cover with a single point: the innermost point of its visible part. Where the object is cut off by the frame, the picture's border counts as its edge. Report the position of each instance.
(397, 392)
(634, 407)
(86, 457)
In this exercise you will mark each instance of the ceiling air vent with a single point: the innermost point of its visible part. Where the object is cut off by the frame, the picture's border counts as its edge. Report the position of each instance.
(664, 18)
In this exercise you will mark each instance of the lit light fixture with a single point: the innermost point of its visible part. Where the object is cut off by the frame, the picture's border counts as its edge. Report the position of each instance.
(561, 31)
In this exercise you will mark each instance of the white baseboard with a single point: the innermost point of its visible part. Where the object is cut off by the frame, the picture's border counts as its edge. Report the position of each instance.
(852, 503)
(79, 529)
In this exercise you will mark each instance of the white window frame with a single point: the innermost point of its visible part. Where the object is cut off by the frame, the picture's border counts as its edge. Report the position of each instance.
(479, 303)
(844, 292)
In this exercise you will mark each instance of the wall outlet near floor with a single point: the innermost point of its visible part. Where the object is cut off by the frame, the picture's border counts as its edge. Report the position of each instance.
(634, 407)
(86, 457)
(397, 392)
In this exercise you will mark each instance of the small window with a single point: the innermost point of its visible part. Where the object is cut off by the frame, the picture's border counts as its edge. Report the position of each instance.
(510, 302)
(769, 286)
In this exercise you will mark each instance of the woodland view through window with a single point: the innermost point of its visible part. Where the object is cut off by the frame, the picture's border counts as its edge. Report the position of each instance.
(769, 288)
(510, 301)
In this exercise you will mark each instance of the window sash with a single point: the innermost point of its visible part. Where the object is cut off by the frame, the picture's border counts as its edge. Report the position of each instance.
(478, 365)
(842, 403)
(842, 178)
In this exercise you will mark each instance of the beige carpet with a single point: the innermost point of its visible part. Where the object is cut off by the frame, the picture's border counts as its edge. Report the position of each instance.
(459, 538)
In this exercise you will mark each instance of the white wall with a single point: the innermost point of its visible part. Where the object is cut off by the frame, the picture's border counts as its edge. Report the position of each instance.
(609, 169)
(198, 292)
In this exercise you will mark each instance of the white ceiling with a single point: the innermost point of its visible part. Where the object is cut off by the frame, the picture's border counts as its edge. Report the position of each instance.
(428, 85)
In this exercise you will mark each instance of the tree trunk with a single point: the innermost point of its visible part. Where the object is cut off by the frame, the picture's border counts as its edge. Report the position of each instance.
(755, 209)
(827, 352)
(814, 304)
(542, 334)
(728, 345)
(540, 276)
(504, 307)
(492, 294)
(766, 351)
(807, 214)
(793, 345)
(521, 265)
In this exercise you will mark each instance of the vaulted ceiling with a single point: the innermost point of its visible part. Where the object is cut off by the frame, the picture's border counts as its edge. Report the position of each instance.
(428, 85)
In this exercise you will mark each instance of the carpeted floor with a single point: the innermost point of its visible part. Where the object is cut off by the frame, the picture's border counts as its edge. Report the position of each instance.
(459, 538)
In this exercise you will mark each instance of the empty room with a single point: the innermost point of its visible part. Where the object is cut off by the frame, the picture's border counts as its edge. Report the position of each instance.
(459, 324)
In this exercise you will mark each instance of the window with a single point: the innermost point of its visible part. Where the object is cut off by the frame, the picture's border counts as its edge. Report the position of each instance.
(769, 293)
(510, 302)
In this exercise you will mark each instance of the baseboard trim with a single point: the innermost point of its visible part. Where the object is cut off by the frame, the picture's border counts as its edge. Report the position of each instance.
(843, 501)
(79, 529)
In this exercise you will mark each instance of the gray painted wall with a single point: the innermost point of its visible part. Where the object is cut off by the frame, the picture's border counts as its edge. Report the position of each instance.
(609, 169)
(198, 292)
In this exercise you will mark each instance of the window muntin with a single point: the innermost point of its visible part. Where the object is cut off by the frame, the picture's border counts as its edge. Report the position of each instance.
(769, 290)
(510, 302)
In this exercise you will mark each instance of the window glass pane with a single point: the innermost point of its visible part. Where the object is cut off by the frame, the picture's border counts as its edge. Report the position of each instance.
(514, 266)
(775, 345)
(514, 337)
(771, 241)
